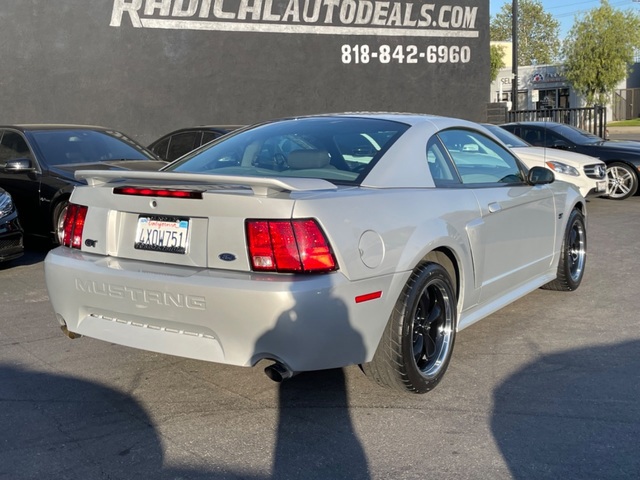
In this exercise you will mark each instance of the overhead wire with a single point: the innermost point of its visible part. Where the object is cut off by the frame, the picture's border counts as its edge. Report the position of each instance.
(596, 3)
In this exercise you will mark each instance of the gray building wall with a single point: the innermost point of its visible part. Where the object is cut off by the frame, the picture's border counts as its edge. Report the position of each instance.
(149, 66)
(633, 80)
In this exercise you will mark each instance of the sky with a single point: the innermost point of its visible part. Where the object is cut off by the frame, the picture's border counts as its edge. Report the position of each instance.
(565, 12)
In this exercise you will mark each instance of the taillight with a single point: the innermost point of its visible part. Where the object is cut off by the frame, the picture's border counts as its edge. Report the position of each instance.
(73, 226)
(289, 246)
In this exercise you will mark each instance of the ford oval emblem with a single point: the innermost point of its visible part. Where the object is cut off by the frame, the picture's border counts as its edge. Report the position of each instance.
(227, 257)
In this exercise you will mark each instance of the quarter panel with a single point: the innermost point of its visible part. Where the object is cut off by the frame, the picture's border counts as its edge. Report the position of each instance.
(409, 222)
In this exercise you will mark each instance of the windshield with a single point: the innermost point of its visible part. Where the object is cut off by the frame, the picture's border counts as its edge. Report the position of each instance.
(508, 138)
(577, 135)
(337, 149)
(76, 146)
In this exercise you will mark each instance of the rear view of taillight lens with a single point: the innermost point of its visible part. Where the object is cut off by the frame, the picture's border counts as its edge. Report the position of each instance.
(71, 233)
(295, 246)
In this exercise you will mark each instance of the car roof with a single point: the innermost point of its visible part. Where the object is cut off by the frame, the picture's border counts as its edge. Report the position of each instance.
(539, 123)
(408, 118)
(224, 127)
(53, 126)
(411, 119)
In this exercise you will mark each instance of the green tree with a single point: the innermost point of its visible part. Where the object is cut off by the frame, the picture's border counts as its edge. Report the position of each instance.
(599, 51)
(538, 31)
(497, 61)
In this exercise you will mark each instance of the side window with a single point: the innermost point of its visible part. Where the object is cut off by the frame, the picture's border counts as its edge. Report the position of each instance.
(532, 136)
(182, 143)
(540, 138)
(551, 140)
(208, 136)
(13, 146)
(442, 170)
(160, 148)
(479, 159)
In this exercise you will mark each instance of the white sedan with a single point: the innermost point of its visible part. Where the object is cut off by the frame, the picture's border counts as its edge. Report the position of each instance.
(315, 243)
(587, 173)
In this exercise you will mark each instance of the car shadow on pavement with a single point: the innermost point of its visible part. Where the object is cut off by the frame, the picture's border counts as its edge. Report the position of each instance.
(316, 438)
(63, 427)
(315, 435)
(572, 415)
(56, 426)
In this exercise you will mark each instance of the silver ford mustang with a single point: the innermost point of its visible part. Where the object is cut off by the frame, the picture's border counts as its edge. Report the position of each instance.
(315, 243)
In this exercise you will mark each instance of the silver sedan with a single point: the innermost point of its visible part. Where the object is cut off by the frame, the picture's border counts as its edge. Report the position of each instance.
(315, 243)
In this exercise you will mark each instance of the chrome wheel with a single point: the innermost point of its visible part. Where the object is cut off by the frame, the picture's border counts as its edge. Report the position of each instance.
(573, 259)
(576, 250)
(622, 181)
(58, 221)
(433, 323)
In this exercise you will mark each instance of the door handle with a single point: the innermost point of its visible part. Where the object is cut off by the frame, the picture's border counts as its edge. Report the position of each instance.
(494, 207)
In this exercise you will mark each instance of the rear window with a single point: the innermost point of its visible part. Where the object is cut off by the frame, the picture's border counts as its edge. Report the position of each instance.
(337, 149)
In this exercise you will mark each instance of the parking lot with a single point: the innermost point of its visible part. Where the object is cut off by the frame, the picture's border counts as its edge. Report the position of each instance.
(545, 388)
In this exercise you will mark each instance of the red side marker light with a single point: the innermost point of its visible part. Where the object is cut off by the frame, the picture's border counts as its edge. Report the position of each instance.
(368, 296)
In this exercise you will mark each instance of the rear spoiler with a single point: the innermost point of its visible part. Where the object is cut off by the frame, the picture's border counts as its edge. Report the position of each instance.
(260, 185)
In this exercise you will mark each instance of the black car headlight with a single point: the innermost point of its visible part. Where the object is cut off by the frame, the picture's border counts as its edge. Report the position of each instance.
(6, 204)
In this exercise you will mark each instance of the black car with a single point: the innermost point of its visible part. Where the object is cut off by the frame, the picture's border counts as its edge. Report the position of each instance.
(180, 142)
(622, 157)
(38, 162)
(11, 243)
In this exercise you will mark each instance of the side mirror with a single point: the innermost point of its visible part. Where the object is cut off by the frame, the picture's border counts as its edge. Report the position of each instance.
(560, 145)
(18, 165)
(540, 176)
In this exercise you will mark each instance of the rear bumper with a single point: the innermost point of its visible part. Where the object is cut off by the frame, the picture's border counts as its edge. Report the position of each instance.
(305, 322)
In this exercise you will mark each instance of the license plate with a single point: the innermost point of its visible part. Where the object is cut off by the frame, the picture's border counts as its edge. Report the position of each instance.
(162, 234)
(601, 186)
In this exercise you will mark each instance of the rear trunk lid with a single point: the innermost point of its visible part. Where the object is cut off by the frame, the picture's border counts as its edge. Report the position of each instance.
(194, 220)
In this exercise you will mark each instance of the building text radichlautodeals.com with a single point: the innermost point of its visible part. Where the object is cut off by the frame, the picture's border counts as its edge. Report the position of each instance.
(352, 17)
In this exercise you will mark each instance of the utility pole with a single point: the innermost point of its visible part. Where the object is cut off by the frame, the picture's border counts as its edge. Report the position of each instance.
(514, 58)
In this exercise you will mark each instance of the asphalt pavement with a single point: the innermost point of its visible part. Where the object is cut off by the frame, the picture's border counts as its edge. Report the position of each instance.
(546, 388)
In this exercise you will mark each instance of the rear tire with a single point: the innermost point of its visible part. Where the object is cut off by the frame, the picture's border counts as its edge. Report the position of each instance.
(622, 180)
(573, 257)
(417, 344)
